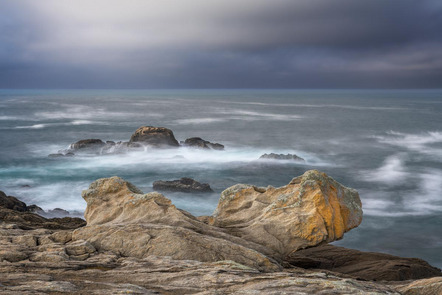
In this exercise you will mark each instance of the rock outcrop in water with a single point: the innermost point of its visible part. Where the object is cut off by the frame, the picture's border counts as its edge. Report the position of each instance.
(142, 244)
(203, 144)
(273, 156)
(87, 144)
(144, 137)
(155, 136)
(185, 185)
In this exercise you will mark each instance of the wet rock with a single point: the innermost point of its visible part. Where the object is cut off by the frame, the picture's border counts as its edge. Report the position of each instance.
(312, 209)
(61, 155)
(154, 136)
(12, 203)
(198, 142)
(363, 265)
(286, 157)
(29, 220)
(185, 185)
(87, 144)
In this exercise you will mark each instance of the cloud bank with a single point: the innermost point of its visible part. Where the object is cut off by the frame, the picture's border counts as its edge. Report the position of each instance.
(220, 44)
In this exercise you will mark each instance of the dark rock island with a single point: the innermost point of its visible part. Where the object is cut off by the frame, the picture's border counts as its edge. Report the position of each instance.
(185, 185)
(274, 156)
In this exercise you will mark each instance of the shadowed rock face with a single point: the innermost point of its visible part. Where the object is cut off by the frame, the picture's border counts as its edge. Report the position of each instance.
(185, 185)
(363, 265)
(156, 136)
(12, 203)
(310, 210)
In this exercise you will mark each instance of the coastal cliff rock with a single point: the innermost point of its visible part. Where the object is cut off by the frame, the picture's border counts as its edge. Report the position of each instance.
(156, 136)
(203, 144)
(310, 210)
(185, 185)
(138, 243)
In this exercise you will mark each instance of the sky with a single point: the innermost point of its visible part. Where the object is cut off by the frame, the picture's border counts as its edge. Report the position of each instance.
(221, 44)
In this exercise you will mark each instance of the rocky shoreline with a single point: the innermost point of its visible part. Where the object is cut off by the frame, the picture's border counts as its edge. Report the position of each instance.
(260, 240)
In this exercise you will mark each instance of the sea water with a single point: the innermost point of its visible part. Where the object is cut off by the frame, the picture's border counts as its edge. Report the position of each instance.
(387, 144)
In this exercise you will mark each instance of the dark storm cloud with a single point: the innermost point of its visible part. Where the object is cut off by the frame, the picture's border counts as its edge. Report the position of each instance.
(200, 43)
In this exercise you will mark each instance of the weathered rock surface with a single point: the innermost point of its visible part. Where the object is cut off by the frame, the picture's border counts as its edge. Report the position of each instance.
(155, 136)
(198, 142)
(185, 185)
(310, 210)
(432, 286)
(274, 156)
(120, 218)
(363, 265)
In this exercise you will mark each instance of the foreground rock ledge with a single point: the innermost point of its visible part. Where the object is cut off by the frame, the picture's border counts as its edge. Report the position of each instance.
(138, 243)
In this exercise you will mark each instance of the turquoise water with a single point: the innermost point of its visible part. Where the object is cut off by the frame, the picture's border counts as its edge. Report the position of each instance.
(386, 144)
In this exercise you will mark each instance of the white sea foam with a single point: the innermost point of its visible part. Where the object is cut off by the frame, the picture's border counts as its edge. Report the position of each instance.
(199, 121)
(45, 125)
(420, 143)
(297, 105)
(392, 171)
(257, 116)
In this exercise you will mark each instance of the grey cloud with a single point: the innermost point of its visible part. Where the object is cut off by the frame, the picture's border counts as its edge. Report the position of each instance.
(200, 43)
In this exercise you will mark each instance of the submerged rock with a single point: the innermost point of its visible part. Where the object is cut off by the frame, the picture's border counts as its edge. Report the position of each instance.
(155, 136)
(88, 144)
(274, 156)
(185, 185)
(201, 143)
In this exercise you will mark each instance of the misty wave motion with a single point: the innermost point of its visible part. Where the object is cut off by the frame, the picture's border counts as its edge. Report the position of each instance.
(385, 144)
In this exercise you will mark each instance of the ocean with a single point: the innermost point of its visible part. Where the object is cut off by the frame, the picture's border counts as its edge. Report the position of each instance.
(387, 144)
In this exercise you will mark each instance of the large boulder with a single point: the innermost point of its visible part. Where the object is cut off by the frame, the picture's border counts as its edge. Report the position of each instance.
(198, 142)
(312, 209)
(185, 185)
(155, 136)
